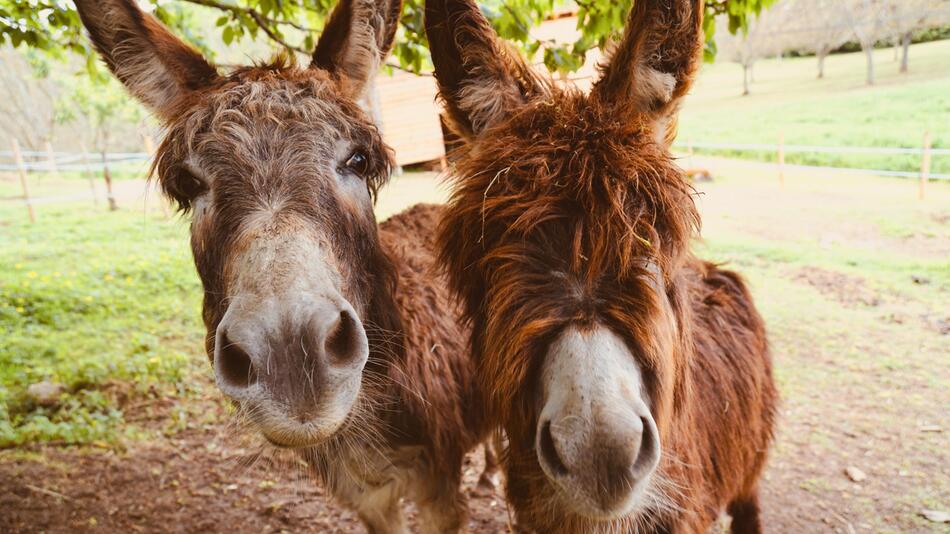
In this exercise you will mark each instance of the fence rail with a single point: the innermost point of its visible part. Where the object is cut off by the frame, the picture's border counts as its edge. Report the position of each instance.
(34, 161)
(761, 147)
(25, 161)
(51, 161)
(925, 152)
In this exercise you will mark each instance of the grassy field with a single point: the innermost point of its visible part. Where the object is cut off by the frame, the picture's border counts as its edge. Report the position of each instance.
(105, 304)
(839, 110)
(853, 278)
(45, 184)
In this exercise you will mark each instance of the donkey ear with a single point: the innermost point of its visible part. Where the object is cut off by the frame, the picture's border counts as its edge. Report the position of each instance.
(653, 66)
(154, 65)
(480, 79)
(356, 40)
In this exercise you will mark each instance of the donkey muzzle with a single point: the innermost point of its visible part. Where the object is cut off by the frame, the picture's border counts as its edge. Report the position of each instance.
(296, 369)
(603, 463)
(596, 439)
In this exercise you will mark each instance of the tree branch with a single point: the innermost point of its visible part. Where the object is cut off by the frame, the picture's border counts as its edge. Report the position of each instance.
(262, 21)
(265, 22)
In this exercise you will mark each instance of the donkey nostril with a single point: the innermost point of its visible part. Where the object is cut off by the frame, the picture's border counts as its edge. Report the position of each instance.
(344, 342)
(235, 367)
(648, 454)
(548, 450)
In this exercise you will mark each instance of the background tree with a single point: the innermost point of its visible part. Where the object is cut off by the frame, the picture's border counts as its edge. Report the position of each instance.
(27, 99)
(761, 38)
(100, 105)
(867, 21)
(820, 28)
(53, 25)
(903, 18)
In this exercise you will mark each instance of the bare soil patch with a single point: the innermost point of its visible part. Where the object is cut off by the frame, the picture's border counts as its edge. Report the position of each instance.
(848, 290)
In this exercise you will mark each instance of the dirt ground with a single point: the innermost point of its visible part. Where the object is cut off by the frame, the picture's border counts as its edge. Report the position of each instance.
(205, 479)
(862, 364)
(208, 479)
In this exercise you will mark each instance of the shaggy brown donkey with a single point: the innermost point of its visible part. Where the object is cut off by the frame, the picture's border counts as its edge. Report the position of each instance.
(633, 380)
(333, 335)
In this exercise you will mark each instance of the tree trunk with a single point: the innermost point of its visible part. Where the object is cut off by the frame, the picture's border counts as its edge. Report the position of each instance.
(51, 158)
(107, 175)
(905, 44)
(745, 80)
(821, 65)
(869, 54)
(88, 173)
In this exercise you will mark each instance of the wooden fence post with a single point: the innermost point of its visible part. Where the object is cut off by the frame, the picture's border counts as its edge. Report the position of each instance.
(149, 144)
(781, 160)
(18, 159)
(924, 167)
(51, 158)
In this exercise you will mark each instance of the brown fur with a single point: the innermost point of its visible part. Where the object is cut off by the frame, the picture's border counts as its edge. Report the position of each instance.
(559, 204)
(263, 143)
(352, 51)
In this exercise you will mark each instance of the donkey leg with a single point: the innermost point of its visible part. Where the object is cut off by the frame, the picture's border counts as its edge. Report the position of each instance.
(488, 478)
(446, 515)
(379, 509)
(443, 509)
(745, 514)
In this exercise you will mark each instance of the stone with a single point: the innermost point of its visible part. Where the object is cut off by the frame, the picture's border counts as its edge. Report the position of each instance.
(855, 474)
(45, 393)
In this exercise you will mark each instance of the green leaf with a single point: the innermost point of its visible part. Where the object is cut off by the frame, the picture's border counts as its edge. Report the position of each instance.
(228, 35)
(55, 28)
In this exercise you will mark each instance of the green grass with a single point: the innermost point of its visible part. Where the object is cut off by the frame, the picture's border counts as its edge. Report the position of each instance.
(106, 304)
(856, 379)
(46, 184)
(839, 110)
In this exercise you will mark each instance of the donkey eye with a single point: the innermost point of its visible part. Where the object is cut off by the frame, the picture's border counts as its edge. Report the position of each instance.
(190, 185)
(357, 163)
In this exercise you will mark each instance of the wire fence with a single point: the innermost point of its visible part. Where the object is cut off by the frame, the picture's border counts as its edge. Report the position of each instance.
(25, 162)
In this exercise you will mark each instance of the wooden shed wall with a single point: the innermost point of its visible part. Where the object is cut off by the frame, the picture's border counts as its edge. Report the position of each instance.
(410, 117)
(410, 114)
